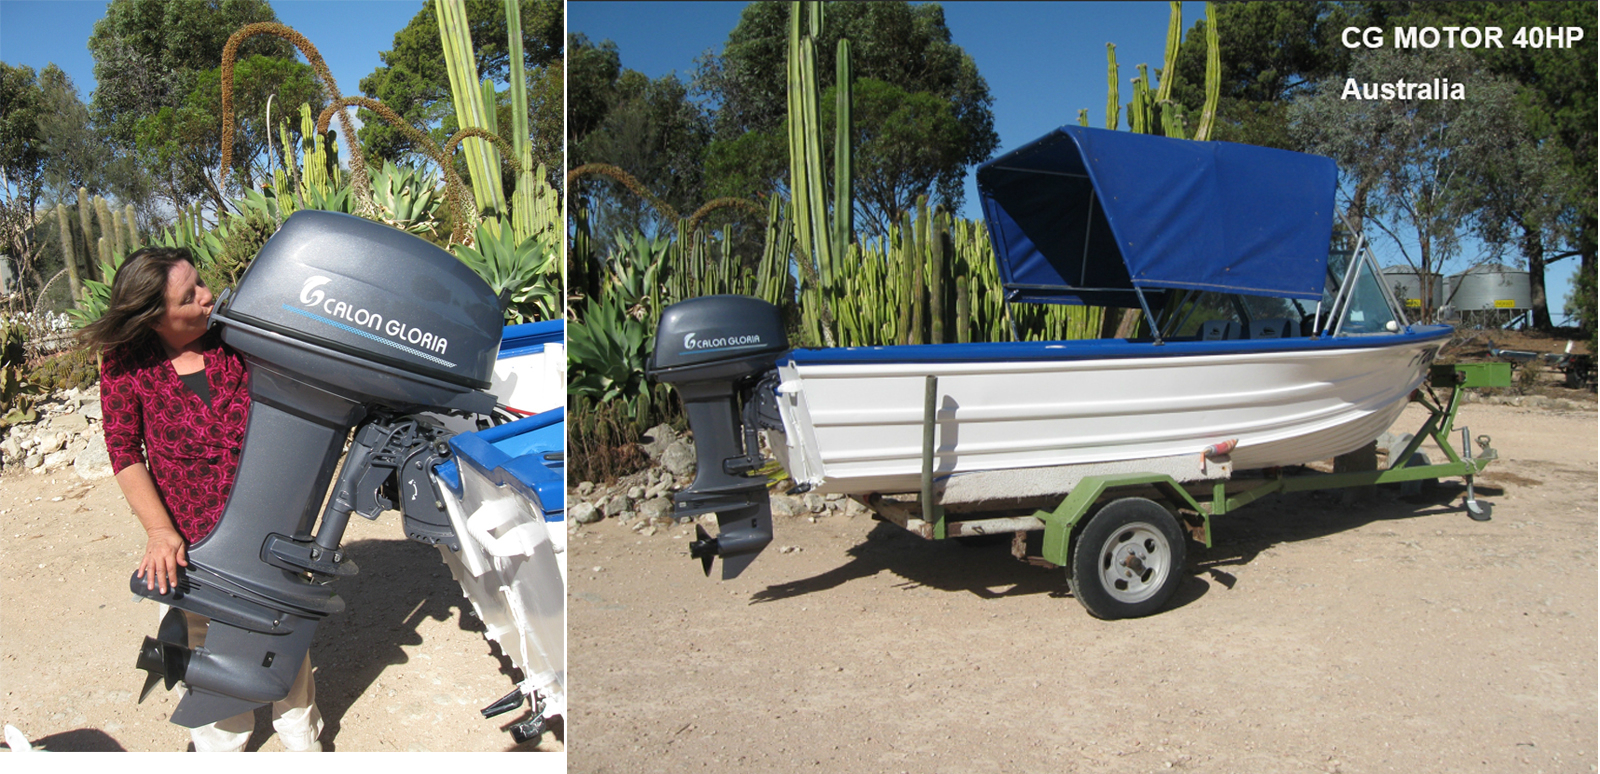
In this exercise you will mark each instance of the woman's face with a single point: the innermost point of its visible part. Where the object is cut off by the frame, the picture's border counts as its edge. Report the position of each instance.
(188, 307)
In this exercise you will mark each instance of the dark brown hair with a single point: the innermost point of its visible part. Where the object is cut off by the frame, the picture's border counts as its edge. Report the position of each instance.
(138, 298)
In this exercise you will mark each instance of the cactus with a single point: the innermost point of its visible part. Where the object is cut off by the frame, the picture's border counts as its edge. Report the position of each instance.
(1208, 113)
(483, 161)
(84, 223)
(110, 236)
(132, 240)
(69, 256)
(1113, 106)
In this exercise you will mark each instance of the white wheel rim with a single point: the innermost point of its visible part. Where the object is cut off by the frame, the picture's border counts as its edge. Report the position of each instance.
(1134, 563)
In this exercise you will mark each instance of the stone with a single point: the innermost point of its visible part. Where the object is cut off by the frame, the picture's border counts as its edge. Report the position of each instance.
(679, 458)
(92, 411)
(57, 459)
(583, 513)
(585, 488)
(656, 441)
(10, 449)
(815, 503)
(67, 423)
(33, 461)
(93, 463)
(50, 442)
(658, 508)
(784, 505)
(616, 505)
(636, 493)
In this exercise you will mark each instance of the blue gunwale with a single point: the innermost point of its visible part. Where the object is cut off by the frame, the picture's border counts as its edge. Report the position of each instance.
(1102, 349)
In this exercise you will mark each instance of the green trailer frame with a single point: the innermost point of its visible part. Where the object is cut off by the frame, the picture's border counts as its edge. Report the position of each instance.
(1130, 529)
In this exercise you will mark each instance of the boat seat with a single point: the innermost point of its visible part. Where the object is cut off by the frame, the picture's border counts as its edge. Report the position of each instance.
(1219, 330)
(1272, 328)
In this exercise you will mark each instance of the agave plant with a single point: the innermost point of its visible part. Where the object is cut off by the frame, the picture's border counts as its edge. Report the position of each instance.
(406, 198)
(527, 274)
(607, 349)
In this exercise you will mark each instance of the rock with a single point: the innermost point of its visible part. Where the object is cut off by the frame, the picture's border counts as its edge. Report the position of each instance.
(585, 488)
(659, 489)
(784, 505)
(93, 463)
(57, 459)
(616, 505)
(92, 411)
(679, 458)
(583, 513)
(10, 449)
(658, 508)
(50, 442)
(33, 461)
(815, 503)
(636, 493)
(68, 423)
(656, 441)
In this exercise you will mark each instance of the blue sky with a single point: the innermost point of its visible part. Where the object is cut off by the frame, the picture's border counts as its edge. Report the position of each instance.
(1043, 61)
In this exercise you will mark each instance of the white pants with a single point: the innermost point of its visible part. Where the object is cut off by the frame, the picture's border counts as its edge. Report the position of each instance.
(295, 717)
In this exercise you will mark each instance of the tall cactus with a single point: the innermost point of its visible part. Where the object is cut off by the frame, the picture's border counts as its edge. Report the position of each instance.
(483, 161)
(69, 256)
(84, 222)
(1113, 106)
(818, 235)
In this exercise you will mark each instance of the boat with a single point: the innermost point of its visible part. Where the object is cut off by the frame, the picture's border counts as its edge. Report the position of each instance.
(1266, 339)
(503, 491)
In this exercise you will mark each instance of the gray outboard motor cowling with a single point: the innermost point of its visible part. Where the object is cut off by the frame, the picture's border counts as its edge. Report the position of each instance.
(342, 322)
(720, 353)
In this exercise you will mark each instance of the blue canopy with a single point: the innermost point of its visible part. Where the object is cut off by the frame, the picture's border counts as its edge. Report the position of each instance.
(1085, 216)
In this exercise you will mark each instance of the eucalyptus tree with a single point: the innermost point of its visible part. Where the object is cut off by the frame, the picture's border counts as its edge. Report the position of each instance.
(1423, 165)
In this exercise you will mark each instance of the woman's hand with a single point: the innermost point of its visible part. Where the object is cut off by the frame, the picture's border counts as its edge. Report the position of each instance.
(163, 555)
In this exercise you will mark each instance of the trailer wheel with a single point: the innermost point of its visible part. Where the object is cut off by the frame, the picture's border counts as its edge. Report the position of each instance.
(1128, 559)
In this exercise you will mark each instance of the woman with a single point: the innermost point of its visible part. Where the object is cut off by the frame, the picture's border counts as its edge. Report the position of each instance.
(175, 400)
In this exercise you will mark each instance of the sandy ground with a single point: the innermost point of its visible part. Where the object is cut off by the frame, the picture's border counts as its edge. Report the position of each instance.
(1314, 637)
(405, 668)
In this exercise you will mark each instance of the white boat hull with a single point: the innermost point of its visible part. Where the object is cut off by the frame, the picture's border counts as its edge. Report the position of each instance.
(857, 427)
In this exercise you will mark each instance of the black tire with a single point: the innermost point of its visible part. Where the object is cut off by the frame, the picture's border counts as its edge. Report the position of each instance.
(1128, 559)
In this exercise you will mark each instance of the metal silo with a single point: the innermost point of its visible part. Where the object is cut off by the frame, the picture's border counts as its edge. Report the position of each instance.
(1406, 284)
(1490, 286)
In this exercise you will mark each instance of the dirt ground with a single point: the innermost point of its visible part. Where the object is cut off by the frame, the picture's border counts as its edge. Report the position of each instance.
(1396, 635)
(405, 668)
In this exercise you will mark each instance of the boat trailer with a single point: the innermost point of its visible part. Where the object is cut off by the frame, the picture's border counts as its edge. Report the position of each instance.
(1122, 536)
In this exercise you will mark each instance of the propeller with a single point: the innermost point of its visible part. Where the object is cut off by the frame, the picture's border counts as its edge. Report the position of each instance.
(703, 548)
(167, 654)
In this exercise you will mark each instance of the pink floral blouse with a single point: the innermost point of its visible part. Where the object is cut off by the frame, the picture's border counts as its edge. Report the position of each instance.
(191, 449)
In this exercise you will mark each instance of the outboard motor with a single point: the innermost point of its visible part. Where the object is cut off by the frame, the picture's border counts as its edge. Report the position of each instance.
(343, 323)
(720, 352)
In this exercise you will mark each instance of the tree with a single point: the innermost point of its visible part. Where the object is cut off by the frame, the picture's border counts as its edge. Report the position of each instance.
(1270, 55)
(1423, 163)
(648, 128)
(904, 46)
(22, 160)
(413, 81)
(185, 141)
(1544, 195)
(153, 56)
(905, 144)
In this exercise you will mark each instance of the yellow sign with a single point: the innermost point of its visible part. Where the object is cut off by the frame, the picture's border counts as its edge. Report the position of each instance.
(1505, 303)
(1413, 303)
